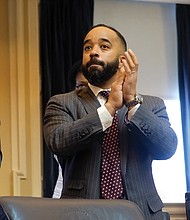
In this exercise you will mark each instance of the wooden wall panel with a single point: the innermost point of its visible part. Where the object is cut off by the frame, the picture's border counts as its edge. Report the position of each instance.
(22, 80)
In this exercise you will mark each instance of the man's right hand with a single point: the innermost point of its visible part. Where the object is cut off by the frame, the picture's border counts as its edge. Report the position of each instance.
(115, 100)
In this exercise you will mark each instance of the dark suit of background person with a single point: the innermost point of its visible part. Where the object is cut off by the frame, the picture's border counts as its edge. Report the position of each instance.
(1, 155)
(73, 129)
(2, 213)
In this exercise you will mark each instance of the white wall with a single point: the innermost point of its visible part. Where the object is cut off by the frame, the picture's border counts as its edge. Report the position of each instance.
(150, 30)
(164, 1)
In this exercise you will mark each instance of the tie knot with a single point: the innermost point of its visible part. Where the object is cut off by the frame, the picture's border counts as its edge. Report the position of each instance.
(105, 94)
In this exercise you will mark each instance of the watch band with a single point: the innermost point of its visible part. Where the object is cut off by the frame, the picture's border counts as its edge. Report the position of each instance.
(138, 99)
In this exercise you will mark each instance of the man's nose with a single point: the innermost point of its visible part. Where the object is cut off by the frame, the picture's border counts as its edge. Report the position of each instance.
(94, 52)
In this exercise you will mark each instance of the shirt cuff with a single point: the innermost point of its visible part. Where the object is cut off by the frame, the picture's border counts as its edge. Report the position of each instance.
(132, 111)
(105, 117)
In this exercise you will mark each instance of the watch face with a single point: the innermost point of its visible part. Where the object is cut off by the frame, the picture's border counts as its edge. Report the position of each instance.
(139, 98)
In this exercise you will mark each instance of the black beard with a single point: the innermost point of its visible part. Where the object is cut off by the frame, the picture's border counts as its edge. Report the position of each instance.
(96, 76)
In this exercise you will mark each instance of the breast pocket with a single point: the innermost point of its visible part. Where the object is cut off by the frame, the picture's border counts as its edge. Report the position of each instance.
(74, 189)
(155, 204)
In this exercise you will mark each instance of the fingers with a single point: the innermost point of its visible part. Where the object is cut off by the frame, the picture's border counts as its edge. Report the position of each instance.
(130, 66)
(130, 62)
(132, 58)
(118, 83)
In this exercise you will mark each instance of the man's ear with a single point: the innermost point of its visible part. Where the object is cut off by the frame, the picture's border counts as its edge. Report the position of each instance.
(121, 58)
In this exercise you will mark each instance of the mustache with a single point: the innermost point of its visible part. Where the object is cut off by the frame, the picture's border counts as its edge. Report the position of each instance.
(94, 61)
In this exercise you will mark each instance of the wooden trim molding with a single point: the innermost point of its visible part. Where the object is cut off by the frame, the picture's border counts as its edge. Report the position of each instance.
(17, 82)
(34, 94)
(25, 97)
(177, 211)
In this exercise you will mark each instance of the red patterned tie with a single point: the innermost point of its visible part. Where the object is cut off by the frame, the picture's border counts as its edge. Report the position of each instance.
(111, 183)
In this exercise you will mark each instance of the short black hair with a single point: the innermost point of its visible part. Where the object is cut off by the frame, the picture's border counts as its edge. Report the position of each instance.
(123, 41)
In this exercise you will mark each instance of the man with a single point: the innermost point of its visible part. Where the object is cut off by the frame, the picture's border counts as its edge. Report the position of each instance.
(76, 123)
(76, 77)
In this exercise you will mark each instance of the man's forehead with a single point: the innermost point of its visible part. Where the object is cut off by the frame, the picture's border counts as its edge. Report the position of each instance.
(100, 33)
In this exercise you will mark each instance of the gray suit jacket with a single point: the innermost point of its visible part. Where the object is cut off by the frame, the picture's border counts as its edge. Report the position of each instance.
(73, 131)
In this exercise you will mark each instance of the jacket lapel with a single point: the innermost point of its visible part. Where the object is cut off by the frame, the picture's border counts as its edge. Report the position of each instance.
(88, 99)
(123, 139)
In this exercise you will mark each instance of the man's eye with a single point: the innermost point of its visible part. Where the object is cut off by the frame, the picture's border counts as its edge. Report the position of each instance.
(104, 46)
(87, 48)
(80, 86)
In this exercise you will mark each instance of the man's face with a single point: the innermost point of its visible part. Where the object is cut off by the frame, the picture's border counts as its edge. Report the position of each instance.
(100, 55)
(81, 81)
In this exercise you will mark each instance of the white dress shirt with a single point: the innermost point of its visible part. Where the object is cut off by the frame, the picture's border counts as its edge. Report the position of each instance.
(104, 115)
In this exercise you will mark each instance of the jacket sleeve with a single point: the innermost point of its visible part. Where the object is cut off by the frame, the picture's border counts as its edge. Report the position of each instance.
(67, 127)
(150, 124)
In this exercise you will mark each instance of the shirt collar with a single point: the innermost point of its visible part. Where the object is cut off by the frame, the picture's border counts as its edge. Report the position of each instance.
(96, 89)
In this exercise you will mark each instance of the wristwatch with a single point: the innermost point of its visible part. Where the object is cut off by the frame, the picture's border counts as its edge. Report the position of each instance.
(138, 99)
